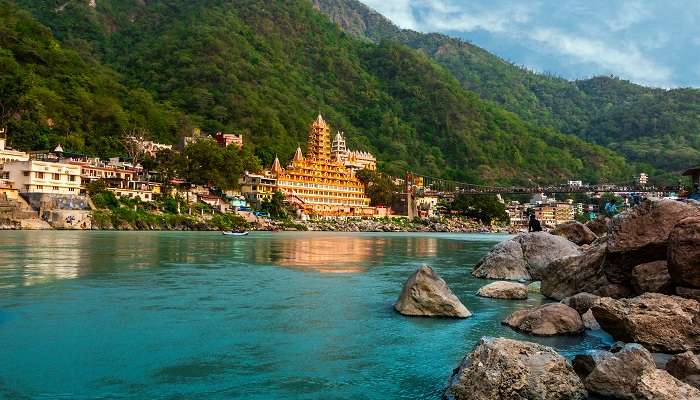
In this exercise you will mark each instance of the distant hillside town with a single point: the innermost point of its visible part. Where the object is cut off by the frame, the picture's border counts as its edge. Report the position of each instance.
(327, 181)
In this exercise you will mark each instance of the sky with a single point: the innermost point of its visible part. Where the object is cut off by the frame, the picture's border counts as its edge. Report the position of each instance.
(651, 42)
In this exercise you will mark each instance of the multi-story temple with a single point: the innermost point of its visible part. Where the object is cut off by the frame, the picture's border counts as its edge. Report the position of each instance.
(352, 159)
(318, 183)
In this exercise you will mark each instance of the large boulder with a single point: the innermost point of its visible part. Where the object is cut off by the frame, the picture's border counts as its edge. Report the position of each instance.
(684, 253)
(504, 290)
(426, 294)
(686, 367)
(630, 374)
(524, 257)
(651, 277)
(505, 369)
(575, 232)
(640, 235)
(505, 261)
(547, 320)
(667, 324)
(576, 274)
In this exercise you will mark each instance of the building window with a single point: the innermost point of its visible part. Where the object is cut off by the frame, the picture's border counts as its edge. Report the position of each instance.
(56, 177)
(25, 173)
(40, 175)
(71, 178)
(55, 188)
(71, 189)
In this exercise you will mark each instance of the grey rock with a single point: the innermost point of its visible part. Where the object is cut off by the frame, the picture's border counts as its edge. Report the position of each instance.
(575, 232)
(547, 320)
(661, 323)
(505, 369)
(525, 257)
(640, 235)
(504, 290)
(426, 294)
(651, 277)
(684, 253)
(581, 273)
(686, 367)
(629, 374)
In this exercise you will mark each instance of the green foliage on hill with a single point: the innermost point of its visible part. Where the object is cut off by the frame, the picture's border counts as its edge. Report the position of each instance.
(265, 68)
(59, 96)
(654, 126)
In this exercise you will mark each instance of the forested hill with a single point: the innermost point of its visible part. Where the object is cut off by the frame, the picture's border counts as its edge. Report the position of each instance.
(266, 68)
(659, 127)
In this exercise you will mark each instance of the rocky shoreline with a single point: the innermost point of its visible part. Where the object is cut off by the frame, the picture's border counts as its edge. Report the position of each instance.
(638, 280)
(168, 222)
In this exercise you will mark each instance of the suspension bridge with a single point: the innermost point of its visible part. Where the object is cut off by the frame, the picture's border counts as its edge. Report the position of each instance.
(417, 186)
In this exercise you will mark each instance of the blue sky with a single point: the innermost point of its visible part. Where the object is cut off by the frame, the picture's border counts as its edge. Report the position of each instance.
(652, 42)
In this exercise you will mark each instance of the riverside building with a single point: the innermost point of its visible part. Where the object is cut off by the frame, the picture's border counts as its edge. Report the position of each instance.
(319, 184)
(7, 155)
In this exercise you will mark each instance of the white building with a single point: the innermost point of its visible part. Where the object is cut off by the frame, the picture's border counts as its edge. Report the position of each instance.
(7, 155)
(355, 160)
(44, 177)
(642, 179)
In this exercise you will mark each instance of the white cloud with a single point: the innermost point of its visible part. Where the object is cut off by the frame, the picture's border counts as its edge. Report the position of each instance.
(495, 20)
(633, 39)
(630, 13)
(628, 61)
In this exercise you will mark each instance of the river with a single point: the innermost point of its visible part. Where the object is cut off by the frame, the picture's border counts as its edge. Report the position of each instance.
(171, 315)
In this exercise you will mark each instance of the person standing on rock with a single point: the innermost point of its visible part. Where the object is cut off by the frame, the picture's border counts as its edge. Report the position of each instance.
(534, 225)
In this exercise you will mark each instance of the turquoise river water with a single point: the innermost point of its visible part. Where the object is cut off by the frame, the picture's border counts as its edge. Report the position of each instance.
(167, 315)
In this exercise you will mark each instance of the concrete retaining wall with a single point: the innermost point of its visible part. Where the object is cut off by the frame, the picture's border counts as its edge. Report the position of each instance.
(48, 201)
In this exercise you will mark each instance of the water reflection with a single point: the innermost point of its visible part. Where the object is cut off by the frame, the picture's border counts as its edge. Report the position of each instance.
(336, 254)
(30, 258)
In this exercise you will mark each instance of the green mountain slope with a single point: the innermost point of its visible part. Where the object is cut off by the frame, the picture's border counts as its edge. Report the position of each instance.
(265, 68)
(56, 96)
(653, 126)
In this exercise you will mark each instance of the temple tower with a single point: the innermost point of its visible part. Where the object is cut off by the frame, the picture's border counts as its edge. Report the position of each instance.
(339, 149)
(318, 146)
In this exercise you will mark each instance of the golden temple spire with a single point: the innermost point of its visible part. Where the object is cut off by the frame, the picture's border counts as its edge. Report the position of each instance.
(319, 143)
(298, 155)
(277, 167)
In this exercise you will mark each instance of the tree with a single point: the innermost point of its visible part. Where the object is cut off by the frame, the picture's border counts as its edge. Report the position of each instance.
(14, 85)
(133, 141)
(276, 206)
(379, 188)
(484, 208)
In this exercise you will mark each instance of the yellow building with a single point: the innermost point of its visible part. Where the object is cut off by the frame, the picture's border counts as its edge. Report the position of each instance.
(320, 184)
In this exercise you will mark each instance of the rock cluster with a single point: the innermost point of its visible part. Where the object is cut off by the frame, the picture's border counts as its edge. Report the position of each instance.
(524, 257)
(426, 294)
(659, 322)
(653, 247)
(630, 373)
(397, 225)
(623, 282)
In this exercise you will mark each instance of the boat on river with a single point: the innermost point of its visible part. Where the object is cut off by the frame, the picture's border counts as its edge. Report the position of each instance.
(231, 233)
